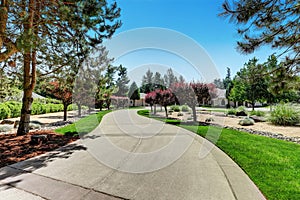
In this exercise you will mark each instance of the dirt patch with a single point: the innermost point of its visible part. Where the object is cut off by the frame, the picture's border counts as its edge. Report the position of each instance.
(15, 148)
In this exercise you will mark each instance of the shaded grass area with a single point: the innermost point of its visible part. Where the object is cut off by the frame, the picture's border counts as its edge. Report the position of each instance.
(84, 125)
(273, 165)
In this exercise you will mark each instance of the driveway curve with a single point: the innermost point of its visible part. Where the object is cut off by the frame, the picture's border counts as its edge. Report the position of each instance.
(132, 157)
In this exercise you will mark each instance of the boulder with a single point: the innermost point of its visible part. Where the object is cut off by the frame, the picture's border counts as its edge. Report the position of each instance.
(258, 119)
(241, 113)
(246, 122)
(210, 119)
(38, 139)
(5, 128)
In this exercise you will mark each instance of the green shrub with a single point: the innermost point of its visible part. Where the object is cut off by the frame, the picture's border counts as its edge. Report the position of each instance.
(258, 113)
(185, 108)
(175, 108)
(285, 115)
(231, 111)
(72, 107)
(4, 111)
(241, 108)
(15, 108)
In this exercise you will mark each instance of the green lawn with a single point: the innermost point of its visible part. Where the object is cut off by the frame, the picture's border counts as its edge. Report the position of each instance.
(84, 125)
(272, 164)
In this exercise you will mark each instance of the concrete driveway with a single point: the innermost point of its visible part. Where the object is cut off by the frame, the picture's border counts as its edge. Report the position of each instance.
(130, 157)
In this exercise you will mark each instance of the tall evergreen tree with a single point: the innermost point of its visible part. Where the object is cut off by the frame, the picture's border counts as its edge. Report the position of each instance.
(122, 82)
(267, 22)
(227, 82)
(147, 82)
(134, 92)
(170, 78)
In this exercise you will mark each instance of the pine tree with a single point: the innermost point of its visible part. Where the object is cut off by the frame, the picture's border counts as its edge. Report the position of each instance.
(122, 82)
(134, 93)
(44, 33)
(265, 22)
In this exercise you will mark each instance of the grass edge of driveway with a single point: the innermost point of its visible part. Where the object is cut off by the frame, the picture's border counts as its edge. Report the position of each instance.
(272, 164)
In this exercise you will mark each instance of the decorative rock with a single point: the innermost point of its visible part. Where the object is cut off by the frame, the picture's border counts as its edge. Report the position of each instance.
(208, 120)
(34, 126)
(258, 119)
(38, 139)
(241, 113)
(5, 128)
(6, 121)
(16, 124)
(179, 114)
(246, 122)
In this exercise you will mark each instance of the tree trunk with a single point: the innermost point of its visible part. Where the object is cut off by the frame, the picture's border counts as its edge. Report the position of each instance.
(65, 112)
(253, 105)
(228, 104)
(194, 113)
(25, 113)
(133, 102)
(166, 110)
(154, 109)
(79, 110)
(29, 76)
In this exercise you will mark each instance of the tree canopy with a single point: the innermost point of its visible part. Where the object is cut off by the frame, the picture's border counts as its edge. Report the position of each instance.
(267, 22)
(48, 35)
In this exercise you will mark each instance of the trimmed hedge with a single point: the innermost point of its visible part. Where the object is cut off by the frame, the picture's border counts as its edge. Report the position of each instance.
(4, 111)
(12, 109)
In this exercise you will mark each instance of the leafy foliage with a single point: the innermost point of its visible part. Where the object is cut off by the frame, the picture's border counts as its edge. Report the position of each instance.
(265, 22)
(285, 115)
(4, 111)
(134, 92)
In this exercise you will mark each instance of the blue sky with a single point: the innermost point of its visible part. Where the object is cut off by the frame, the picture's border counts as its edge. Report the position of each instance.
(197, 19)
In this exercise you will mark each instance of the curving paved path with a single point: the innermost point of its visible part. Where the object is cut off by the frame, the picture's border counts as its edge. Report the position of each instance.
(130, 157)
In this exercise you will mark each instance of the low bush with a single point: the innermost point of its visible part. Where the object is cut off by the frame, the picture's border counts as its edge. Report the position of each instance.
(258, 113)
(15, 108)
(241, 108)
(4, 111)
(285, 115)
(231, 111)
(185, 108)
(175, 108)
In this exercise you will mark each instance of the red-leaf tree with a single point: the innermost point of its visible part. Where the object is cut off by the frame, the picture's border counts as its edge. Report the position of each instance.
(185, 94)
(150, 99)
(165, 98)
(62, 92)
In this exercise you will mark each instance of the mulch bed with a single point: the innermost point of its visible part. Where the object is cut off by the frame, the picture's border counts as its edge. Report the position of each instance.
(15, 148)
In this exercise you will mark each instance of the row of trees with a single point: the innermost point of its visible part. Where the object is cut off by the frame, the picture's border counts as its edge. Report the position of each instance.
(182, 93)
(152, 81)
(269, 82)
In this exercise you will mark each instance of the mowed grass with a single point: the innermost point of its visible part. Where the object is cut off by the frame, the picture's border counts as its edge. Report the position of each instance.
(273, 165)
(84, 125)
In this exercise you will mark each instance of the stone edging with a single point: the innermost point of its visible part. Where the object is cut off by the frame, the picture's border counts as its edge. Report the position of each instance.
(262, 133)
